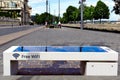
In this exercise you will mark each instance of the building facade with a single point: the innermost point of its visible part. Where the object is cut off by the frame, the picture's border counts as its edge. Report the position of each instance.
(19, 6)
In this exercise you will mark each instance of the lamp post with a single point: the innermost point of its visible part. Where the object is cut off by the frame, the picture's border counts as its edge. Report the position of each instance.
(49, 14)
(46, 6)
(46, 22)
(59, 9)
(81, 11)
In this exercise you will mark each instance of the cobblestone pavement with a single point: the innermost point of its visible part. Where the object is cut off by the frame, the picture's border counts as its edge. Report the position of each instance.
(65, 37)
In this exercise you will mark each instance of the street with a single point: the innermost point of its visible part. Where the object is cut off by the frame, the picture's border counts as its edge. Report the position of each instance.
(65, 37)
(10, 29)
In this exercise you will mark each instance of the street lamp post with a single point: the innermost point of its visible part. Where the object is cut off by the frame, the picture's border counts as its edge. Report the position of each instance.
(59, 9)
(81, 11)
(49, 14)
(47, 6)
(46, 22)
(82, 23)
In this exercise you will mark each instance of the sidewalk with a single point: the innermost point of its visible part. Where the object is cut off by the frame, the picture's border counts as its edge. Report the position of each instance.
(115, 28)
(9, 37)
(58, 77)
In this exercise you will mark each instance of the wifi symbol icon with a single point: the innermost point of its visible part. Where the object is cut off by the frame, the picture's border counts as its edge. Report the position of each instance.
(16, 55)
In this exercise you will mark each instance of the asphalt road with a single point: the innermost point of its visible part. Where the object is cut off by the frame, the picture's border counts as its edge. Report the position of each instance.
(66, 37)
(10, 29)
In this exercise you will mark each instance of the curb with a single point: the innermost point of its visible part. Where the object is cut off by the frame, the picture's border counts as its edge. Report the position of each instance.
(93, 29)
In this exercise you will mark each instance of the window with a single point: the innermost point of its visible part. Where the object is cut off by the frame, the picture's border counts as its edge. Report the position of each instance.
(12, 5)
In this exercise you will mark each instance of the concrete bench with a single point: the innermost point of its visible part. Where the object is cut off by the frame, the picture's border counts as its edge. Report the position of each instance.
(95, 61)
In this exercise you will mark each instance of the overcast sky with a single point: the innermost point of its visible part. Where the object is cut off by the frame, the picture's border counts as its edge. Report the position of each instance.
(39, 6)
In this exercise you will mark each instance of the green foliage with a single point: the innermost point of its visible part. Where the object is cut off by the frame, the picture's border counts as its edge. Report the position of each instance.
(71, 14)
(75, 15)
(116, 8)
(42, 18)
(65, 18)
(37, 18)
(14, 14)
(4, 13)
(88, 12)
(11, 14)
(101, 11)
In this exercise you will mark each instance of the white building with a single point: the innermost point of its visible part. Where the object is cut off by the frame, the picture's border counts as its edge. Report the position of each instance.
(11, 4)
(20, 6)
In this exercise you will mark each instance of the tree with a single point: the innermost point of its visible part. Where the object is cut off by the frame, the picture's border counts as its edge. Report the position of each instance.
(88, 12)
(75, 14)
(101, 11)
(116, 8)
(40, 19)
(65, 18)
(71, 14)
(37, 18)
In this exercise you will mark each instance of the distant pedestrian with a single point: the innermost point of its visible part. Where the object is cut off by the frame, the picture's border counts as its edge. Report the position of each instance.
(46, 23)
(55, 24)
(59, 24)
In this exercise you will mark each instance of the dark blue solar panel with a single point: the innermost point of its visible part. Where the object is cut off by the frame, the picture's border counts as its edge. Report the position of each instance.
(59, 49)
(92, 49)
(30, 49)
(63, 49)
